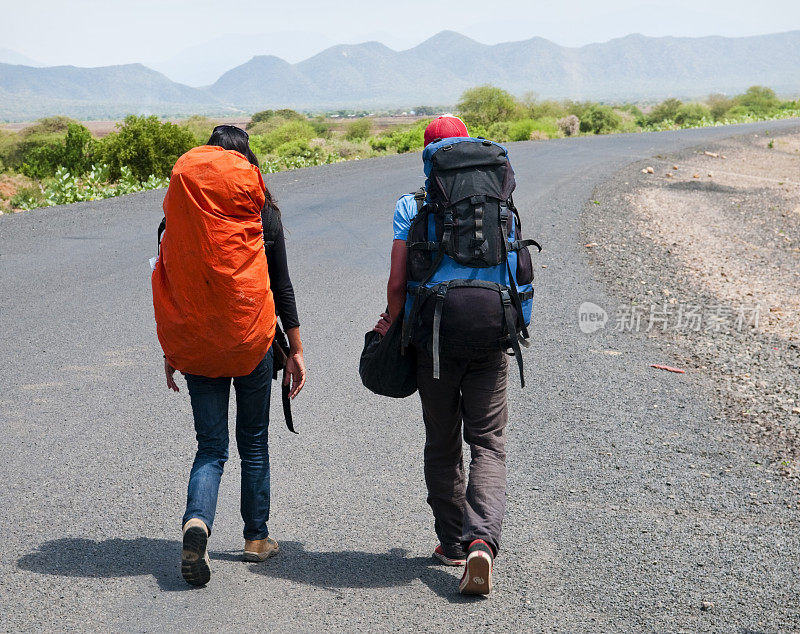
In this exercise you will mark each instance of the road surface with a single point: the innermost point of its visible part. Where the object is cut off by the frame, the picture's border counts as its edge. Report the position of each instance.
(628, 507)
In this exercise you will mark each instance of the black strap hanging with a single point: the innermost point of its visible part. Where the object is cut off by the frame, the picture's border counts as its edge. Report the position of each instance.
(512, 338)
(280, 357)
(441, 293)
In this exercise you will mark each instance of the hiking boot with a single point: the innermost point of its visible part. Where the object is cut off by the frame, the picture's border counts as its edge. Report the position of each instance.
(195, 564)
(477, 577)
(448, 559)
(259, 549)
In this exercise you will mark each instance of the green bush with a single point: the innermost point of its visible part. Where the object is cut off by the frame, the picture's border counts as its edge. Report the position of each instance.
(665, 111)
(485, 105)
(322, 128)
(41, 160)
(269, 116)
(737, 112)
(259, 117)
(499, 131)
(547, 109)
(424, 111)
(719, 105)
(73, 152)
(291, 115)
(146, 146)
(290, 131)
(296, 148)
(523, 129)
(401, 139)
(578, 108)
(691, 114)
(26, 147)
(759, 100)
(600, 119)
(358, 130)
(48, 125)
(633, 110)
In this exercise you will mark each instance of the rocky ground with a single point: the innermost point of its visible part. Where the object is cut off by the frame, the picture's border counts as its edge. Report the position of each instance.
(702, 250)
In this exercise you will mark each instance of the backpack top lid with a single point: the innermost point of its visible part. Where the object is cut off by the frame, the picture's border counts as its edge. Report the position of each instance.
(432, 148)
(217, 181)
(467, 166)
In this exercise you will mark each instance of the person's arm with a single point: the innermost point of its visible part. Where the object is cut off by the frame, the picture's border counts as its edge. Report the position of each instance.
(281, 284)
(295, 364)
(286, 307)
(395, 288)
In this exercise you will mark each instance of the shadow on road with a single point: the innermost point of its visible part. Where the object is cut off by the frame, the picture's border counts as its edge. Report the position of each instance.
(334, 570)
(78, 557)
(113, 558)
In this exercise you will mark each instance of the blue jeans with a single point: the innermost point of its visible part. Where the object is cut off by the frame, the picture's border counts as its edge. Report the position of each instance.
(210, 408)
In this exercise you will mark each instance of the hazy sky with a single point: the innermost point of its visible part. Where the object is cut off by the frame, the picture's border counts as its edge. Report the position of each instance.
(100, 32)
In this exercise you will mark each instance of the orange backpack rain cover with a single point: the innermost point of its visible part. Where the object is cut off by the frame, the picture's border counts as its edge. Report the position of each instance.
(215, 314)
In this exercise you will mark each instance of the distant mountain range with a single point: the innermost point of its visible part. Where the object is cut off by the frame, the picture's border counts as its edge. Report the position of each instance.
(202, 64)
(436, 72)
(7, 56)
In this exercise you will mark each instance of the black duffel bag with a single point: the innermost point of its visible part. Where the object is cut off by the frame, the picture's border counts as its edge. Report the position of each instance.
(384, 369)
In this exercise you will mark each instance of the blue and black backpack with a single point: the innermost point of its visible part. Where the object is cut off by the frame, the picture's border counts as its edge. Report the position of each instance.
(470, 275)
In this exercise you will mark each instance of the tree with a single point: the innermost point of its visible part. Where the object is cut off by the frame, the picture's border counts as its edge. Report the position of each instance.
(147, 146)
(485, 105)
(258, 117)
(77, 152)
(759, 100)
(44, 154)
(600, 119)
(425, 111)
(665, 111)
(691, 113)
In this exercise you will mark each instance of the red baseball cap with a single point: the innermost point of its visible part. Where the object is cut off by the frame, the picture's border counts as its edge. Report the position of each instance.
(445, 127)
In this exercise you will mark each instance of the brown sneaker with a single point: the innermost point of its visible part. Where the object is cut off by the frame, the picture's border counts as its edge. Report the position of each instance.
(259, 549)
(195, 564)
(477, 577)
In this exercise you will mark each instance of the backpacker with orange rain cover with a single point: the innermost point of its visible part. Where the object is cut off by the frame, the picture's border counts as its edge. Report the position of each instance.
(214, 310)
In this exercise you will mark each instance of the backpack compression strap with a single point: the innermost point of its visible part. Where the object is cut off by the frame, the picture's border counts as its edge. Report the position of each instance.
(513, 339)
(441, 293)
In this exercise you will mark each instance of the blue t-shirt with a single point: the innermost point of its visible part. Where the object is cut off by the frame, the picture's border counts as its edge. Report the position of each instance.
(404, 213)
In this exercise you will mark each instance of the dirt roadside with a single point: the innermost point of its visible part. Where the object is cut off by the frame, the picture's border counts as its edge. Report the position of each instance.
(702, 250)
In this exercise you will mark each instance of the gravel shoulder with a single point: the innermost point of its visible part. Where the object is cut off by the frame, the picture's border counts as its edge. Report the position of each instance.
(701, 248)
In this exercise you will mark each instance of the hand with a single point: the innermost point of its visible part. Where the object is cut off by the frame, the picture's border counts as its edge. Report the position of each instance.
(382, 327)
(295, 371)
(170, 371)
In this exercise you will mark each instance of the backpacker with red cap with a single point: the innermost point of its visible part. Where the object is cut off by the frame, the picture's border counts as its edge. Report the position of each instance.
(469, 271)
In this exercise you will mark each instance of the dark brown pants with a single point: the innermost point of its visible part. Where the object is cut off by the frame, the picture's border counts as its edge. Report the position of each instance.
(472, 392)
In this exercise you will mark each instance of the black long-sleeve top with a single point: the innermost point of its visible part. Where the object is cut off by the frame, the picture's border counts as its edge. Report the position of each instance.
(280, 282)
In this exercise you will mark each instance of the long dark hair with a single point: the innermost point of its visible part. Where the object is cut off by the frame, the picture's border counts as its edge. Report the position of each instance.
(230, 137)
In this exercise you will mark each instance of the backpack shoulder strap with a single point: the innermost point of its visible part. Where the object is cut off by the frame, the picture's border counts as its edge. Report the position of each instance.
(419, 197)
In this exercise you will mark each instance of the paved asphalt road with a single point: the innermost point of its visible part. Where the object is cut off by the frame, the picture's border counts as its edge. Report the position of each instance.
(627, 507)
